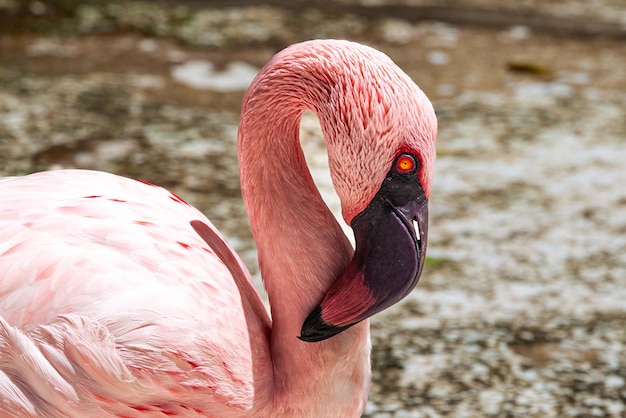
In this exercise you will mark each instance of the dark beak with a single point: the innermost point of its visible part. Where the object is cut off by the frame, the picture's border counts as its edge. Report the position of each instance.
(390, 239)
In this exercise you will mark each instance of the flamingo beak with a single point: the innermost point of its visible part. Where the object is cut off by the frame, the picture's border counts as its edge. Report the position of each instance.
(390, 250)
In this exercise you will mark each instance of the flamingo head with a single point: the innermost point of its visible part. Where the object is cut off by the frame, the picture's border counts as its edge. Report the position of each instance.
(380, 130)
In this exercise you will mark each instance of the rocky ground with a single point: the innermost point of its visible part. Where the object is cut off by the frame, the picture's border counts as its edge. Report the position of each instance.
(521, 311)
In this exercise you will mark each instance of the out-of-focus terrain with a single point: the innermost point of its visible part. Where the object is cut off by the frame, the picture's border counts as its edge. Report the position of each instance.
(521, 310)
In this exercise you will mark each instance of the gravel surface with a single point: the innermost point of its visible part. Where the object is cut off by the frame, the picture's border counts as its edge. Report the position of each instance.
(521, 310)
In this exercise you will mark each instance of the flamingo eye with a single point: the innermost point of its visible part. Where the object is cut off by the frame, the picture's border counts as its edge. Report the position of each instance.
(406, 164)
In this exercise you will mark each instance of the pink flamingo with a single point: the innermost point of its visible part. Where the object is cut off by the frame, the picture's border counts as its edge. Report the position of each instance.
(118, 299)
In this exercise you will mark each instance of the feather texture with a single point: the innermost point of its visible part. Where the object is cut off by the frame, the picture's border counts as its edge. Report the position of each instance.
(115, 300)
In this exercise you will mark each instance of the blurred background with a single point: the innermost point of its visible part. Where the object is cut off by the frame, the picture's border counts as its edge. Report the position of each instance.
(521, 310)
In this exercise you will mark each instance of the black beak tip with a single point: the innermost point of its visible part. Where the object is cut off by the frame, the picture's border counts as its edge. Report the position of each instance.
(315, 329)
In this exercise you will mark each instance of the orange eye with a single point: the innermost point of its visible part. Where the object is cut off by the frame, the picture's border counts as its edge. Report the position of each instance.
(405, 164)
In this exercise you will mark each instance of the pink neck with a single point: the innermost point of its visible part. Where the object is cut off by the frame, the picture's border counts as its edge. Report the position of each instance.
(302, 251)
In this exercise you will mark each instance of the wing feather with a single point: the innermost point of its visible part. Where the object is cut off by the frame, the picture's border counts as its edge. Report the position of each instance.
(107, 289)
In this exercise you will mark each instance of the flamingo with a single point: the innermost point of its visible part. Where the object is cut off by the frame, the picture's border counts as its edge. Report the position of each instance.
(119, 299)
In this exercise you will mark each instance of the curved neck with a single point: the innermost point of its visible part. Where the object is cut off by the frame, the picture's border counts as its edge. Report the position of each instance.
(302, 250)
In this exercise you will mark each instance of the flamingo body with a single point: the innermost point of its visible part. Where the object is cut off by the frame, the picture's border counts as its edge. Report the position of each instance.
(108, 289)
(119, 299)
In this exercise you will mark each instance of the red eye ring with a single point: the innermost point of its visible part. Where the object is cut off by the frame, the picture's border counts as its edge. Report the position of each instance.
(406, 164)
